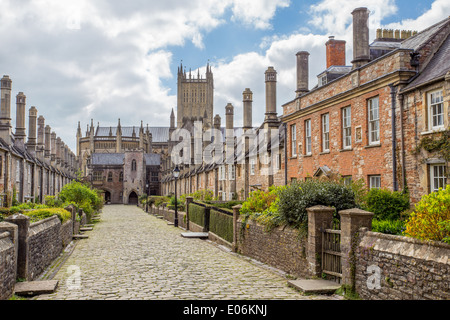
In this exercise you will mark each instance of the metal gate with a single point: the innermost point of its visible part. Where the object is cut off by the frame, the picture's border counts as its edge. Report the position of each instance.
(331, 253)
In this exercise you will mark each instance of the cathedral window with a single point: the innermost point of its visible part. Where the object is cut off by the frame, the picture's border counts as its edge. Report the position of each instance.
(121, 176)
(133, 165)
(110, 177)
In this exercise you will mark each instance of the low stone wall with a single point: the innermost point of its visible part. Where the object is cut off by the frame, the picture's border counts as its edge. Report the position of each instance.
(8, 265)
(45, 244)
(396, 267)
(66, 233)
(169, 215)
(281, 248)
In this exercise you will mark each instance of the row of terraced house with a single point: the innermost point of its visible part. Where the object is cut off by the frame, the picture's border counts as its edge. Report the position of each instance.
(33, 168)
(363, 121)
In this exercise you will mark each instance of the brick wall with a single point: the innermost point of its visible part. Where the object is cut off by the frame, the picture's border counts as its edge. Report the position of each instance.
(406, 268)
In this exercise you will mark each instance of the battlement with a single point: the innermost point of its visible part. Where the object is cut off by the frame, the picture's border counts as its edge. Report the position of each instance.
(394, 35)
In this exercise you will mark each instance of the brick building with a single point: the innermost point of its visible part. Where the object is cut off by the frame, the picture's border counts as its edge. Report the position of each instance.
(364, 121)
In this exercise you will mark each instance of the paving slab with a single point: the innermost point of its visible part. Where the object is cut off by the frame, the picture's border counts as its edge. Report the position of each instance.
(34, 288)
(86, 229)
(80, 236)
(315, 286)
(201, 235)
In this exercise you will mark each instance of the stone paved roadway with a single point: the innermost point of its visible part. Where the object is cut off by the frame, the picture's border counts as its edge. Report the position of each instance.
(133, 255)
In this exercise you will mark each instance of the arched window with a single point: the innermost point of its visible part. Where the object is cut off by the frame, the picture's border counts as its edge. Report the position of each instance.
(133, 165)
(110, 177)
(121, 176)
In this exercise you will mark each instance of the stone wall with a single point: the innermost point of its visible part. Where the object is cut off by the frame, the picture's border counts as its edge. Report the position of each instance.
(45, 244)
(67, 232)
(8, 265)
(281, 248)
(395, 267)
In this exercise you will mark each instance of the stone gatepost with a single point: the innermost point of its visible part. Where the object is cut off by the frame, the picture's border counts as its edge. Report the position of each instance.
(319, 217)
(351, 221)
(73, 214)
(236, 213)
(23, 225)
(189, 200)
(207, 218)
(13, 231)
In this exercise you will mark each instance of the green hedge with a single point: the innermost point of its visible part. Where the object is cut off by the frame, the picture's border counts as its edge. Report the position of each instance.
(197, 214)
(221, 224)
(41, 214)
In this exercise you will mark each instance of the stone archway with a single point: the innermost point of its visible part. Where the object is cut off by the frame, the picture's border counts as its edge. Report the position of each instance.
(107, 196)
(133, 198)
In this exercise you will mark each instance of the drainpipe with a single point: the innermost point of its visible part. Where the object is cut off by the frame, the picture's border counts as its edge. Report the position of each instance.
(285, 155)
(402, 141)
(394, 139)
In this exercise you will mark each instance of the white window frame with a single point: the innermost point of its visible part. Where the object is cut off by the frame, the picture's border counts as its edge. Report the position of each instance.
(438, 178)
(308, 145)
(375, 182)
(252, 166)
(435, 101)
(326, 132)
(346, 128)
(293, 140)
(231, 172)
(374, 120)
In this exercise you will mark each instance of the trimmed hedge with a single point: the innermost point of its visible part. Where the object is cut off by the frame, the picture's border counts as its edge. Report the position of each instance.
(41, 214)
(221, 224)
(197, 214)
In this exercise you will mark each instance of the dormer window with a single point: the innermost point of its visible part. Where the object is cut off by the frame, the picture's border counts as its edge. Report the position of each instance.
(322, 80)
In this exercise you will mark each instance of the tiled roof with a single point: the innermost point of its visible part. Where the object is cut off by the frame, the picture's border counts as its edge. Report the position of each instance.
(417, 41)
(436, 68)
(107, 158)
(152, 159)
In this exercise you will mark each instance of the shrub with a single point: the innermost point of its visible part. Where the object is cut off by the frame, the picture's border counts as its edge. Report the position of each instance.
(53, 202)
(430, 220)
(158, 201)
(386, 204)
(396, 227)
(297, 197)
(82, 196)
(41, 214)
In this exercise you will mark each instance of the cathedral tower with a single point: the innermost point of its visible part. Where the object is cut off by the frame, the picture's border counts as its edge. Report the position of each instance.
(195, 97)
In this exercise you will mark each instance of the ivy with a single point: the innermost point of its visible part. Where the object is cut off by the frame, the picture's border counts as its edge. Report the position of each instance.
(439, 144)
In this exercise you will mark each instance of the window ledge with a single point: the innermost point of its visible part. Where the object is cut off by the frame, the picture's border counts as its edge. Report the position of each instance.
(346, 149)
(307, 155)
(325, 152)
(437, 130)
(373, 146)
(293, 157)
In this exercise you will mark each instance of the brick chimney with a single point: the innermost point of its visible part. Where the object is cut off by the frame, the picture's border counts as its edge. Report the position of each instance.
(335, 52)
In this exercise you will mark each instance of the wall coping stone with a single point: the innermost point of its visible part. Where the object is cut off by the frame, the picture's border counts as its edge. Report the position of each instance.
(405, 246)
(355, 212)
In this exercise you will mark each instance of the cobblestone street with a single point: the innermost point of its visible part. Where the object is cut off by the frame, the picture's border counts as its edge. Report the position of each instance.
(134, 255)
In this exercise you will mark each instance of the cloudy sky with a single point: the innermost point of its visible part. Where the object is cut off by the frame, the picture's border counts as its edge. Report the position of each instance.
(110, 59)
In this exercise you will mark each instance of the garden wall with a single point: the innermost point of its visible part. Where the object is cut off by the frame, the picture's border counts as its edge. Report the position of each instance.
(397, 267)
(281, 248)
(8, 265)
(45, 244)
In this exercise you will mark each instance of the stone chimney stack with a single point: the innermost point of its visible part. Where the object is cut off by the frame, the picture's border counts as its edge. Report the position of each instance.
(217, 122)
(48, 132)
(5, 109)
(20, 134)
(335, 52)
(361, 52)
(271, 95)
(229, 113)
(40, 142)
(32, 127)
(302, 72)
(53, 146)
(247, 100)
(58, 150)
